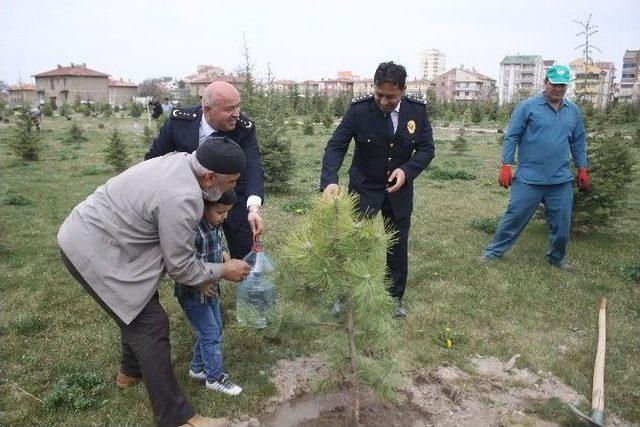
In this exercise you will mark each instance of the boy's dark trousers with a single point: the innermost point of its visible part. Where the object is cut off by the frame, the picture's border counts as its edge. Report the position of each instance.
(146, 353)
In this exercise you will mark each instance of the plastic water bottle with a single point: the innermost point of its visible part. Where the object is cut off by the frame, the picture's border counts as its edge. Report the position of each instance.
(256, 293)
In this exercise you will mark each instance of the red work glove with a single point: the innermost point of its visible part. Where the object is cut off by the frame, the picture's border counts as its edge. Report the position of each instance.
(505, 177)
(582, 180)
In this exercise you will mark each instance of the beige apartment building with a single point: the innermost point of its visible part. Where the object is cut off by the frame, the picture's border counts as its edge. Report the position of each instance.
(23, 95)
(68, 84)
(593, 83)
(630, 81)
(460, 84)
(419, 87)
(121, 92)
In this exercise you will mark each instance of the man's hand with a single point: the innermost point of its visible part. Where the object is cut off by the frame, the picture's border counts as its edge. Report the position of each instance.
(255, 220)
(505, 177)
(331, 191)
(399, 177)
(208, 289)
(235, 270)
(582, 180)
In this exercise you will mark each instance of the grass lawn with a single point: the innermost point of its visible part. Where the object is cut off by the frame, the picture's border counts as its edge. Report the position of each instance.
(51, 328)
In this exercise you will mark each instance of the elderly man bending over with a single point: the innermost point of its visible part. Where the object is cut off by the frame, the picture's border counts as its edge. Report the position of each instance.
(120, 241)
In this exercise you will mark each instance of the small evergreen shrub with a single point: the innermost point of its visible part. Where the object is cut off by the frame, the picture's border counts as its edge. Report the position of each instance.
(28, 326)
(13, 199)
(24, 139)
(116, 152)
(486, 225)
(76, 135)
(446, 174)
(136, 110)
(631, 273)
(77, 391)
(307, 126)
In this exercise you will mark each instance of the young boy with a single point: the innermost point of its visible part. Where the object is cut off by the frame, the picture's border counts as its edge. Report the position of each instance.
(201, 305)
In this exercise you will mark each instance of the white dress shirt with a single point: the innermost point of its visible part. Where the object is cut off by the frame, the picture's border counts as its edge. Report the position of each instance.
(205, 131)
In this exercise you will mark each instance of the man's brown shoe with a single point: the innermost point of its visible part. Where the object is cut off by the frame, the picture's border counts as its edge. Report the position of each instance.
(123, 380)
(200, 421)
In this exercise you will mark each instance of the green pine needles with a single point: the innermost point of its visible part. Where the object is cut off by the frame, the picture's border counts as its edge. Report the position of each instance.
(25, 140)
(76, 135)
(337, 253)
(613, 169)
(116, 152)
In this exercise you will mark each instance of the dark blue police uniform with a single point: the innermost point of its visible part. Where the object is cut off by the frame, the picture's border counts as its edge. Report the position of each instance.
(181, 133)
(377, 154)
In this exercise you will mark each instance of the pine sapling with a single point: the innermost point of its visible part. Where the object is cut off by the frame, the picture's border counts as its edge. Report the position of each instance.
(25, 139)
(460, 145)
(76, 135)
(116, 152)
(335, 252)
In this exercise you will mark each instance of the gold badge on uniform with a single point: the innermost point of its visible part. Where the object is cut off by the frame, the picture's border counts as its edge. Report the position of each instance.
(411, 126)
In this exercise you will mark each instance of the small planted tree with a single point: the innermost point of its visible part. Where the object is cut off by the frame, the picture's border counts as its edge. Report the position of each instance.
(307, 126)
(277, 157)
(76, 135)
(611, 172)
(24, 139)
(116, 152)
(135, 110)
(460, 145)
(336, 252)
(65, 111)
(47, 109)
(147, 136)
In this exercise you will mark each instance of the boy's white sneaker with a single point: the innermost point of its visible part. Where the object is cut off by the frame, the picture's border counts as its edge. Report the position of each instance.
(197, 375)
(224, 385)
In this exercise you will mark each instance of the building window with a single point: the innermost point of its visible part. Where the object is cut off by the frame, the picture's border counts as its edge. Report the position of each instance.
(51, 83)
(466, 94)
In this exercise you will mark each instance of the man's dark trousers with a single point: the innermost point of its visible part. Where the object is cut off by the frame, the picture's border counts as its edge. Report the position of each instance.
(397, 256)
(146, 353)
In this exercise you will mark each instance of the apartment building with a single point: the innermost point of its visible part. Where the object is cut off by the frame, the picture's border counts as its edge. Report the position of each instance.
(520, 76)
(433, 62)
(630, 81)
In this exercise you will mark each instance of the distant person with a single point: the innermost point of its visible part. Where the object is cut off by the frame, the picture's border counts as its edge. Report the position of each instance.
(35, 113)
(545, 130)
(201, 305)
(219, 114)
(394, 144)
(120, 241)
(156, 110)
(167, 106)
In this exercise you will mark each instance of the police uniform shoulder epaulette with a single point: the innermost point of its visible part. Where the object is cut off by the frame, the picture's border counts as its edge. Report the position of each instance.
(416, 100)
(361, 98)
(244, 122)
(183, 114)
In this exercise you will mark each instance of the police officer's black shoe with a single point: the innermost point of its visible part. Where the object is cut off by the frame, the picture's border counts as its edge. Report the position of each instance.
(399, 310)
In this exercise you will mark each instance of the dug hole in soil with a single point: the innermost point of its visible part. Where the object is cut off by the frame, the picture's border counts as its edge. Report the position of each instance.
(495, 393)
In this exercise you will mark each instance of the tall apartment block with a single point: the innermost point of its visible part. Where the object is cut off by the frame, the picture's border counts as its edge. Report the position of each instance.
(520, 76)
(630, 82)
(432, 63)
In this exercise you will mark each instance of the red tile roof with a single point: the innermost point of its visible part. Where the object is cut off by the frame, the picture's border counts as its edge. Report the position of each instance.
(25, 86)
(121, 83)
(73, 70)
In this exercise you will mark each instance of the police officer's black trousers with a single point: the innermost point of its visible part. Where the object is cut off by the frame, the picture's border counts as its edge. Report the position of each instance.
(397, 257)
(146, 353)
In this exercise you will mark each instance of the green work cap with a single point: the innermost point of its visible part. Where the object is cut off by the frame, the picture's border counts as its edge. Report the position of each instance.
(559, 75)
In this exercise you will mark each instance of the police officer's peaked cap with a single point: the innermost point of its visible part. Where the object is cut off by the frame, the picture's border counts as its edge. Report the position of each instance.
(221, 155)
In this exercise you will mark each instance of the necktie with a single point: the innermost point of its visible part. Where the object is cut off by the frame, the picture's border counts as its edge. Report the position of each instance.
(390, 130)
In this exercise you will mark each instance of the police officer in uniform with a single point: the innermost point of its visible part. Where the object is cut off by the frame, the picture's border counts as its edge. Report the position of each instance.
(219, 115)
(394, 143)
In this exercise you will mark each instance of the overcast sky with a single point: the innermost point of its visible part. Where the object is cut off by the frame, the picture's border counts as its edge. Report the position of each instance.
(299, 39)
